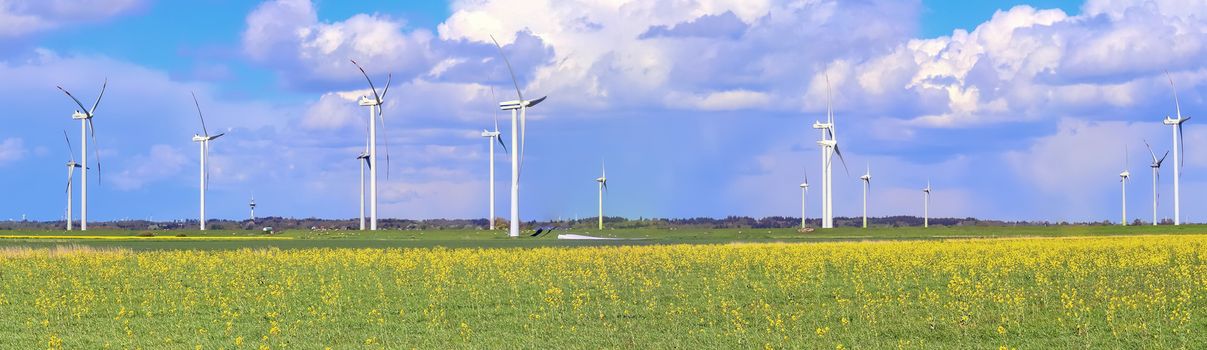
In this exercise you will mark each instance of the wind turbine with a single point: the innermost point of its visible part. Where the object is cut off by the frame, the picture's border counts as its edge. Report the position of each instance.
(603, 185)
(375, 115)
(519, 109)
(1156, 166)
(204, 141)
(1178, 158)
(71, 165)
(365, 164)
(926, 205)
(252, 204)
(804, 192)
(829, 147)
(867, 184)
(85, 117)
(492, 136)
(1123, 177)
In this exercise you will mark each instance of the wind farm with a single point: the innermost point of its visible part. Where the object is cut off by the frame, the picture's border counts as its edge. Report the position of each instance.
(994, 220)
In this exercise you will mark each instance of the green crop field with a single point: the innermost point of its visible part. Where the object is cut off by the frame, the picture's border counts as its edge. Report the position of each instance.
(841, 289)
(295, 239)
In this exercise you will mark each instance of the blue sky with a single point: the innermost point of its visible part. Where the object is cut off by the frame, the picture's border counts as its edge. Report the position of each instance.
(1013, 109)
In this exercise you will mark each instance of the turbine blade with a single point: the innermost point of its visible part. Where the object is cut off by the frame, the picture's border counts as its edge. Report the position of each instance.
(98, 97)
(509, 70)
(217, 136)
(500, 138)
(494, 111)
(95, 148)
(535, 102)
(376, 97)
(77, 101)
(1176, 103)
(384, 140)
(1150, 150)
(1162, 159)
(1181, 156)
(844, 161)
(523, 133)
(829, 101)
(206, 185)
(199, 115)
(70, 175)
(70, 153)
(389, 79)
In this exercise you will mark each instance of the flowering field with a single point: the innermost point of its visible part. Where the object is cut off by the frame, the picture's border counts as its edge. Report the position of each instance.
(1111, 292)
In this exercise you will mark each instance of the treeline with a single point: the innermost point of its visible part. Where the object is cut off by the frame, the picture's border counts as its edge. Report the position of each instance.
(281, 223)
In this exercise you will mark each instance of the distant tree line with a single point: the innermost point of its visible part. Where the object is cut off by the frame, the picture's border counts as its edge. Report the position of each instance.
(614, 222)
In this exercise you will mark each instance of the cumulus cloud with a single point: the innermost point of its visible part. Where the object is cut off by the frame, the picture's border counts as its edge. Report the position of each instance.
(24, 17)
(160, 162)
(287, 33)
(724, 26)
(12, 149)
(334, 110)
(1026, 64)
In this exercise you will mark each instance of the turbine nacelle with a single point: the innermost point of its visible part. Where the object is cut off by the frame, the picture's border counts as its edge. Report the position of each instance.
(517, 104)
(827, 143)
(202, 138)
(486, 133)
(1172, 121)
(366, 101)
(804, 185)
(820, 125)
(1125, 174)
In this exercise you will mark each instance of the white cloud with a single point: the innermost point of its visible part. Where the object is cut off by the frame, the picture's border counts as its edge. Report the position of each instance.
(1075, 169)
(23, 17)
(333, 111)
(1027, 64)
(287, 33)
(160, 162)
(11, 150)
(721, 101)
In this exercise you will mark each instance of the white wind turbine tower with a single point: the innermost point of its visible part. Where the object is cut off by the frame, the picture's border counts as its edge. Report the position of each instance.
(204, 141)
(375, 115)
(362, 162)
(1156, 166)
(71, 165)
(867, 184)
(519, 109)
(1178, 158)
(1123, 178)
(804, 192)
(926, 205)
(829, 148)
(85, 116)
(492, 136)
(252, 204)
(603, 186)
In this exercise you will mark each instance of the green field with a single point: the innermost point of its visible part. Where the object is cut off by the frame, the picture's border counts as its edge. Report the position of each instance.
(297, 239)
(1144, 291)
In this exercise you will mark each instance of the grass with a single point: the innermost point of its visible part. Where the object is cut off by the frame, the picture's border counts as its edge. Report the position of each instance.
(304, 239)
(1058, 292)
